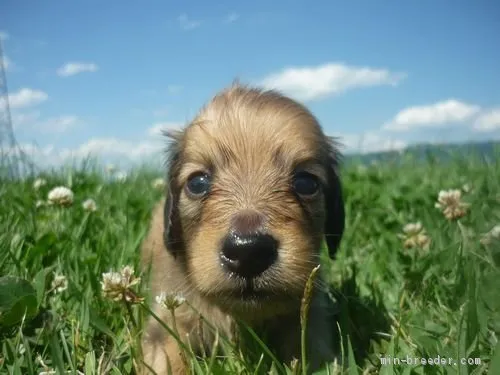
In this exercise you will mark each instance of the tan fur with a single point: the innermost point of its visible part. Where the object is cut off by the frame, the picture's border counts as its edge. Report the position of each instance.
(252, 141)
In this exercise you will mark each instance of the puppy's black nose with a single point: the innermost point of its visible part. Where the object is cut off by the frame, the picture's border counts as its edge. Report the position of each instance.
(248, 255)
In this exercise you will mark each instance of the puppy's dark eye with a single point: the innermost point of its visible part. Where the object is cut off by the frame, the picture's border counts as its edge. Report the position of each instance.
(198, 184)
(305, 184)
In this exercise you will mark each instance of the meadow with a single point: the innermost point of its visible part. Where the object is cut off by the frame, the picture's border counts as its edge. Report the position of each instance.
(417, 275)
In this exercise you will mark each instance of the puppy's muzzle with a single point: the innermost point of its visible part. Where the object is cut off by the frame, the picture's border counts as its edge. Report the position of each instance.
(247, 250)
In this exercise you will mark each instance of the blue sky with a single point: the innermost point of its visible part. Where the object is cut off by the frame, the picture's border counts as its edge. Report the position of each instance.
(103, 76)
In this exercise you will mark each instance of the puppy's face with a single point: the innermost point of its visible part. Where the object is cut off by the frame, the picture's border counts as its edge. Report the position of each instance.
(252, 192)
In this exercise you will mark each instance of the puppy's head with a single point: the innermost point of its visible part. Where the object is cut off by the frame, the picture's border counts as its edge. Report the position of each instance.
(253, 190)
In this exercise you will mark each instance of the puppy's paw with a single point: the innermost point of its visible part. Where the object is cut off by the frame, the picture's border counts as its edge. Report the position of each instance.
(163, 358)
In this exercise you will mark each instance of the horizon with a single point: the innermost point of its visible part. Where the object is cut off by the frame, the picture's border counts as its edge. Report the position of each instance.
(381, 77)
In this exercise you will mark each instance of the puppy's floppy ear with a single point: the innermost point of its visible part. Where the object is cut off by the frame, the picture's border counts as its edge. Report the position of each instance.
(172, 229)
(334, 202)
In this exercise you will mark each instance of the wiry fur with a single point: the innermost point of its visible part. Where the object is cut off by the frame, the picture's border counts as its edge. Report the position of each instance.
(251, 141)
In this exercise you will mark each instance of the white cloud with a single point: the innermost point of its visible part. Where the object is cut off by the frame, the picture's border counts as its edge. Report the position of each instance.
(21, 119)
(26, 97)
(73, 68)
(113, 146)
(158, 127)
(370, 141)
(33, 150)
(41, 156)
(104, 149)
(434, 115)
(309, 83)
(4, 35)
(186, 23)
(231, 17)
(488, 121)
(32, 121)
(58, 124)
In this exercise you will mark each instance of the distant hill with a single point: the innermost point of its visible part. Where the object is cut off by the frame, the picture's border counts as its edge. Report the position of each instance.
(488, 151)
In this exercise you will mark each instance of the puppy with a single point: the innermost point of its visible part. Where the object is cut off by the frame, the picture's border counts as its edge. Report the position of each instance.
(253, 189)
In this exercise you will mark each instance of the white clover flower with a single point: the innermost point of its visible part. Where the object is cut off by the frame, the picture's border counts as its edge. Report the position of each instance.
(60, 195)
(495, 232)
(39, 182)
(158, 183)
(117, 285)
(121, 176)
(450, 203)
(46, 369)
(60, 283)
(412, 228)
(415, 236)
(110, 168)
(39, 203)
(89, 205)
(170, 301)
(491, 236)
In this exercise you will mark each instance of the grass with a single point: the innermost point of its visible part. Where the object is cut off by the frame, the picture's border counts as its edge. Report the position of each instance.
(394, 302)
